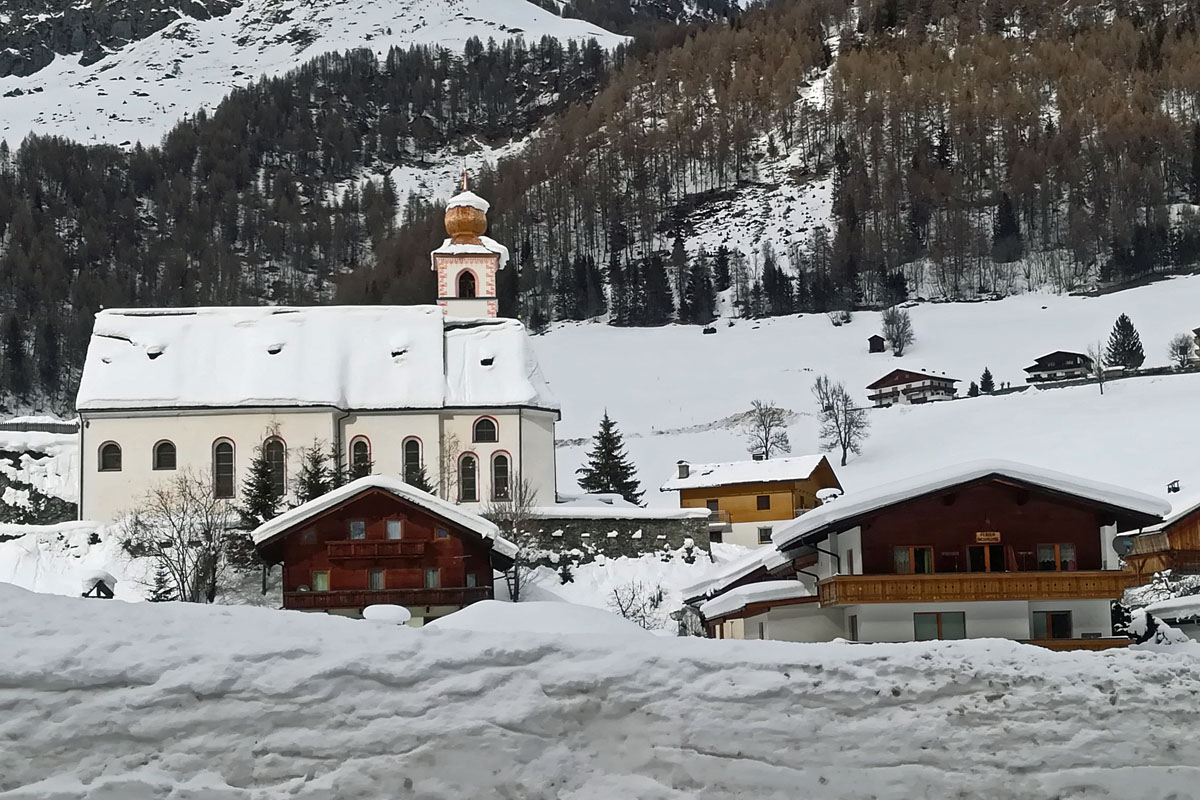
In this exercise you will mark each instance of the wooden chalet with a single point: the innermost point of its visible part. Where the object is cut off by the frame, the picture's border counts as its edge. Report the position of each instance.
(987, 549)
(379, 540)
(1060, 365)
(904, 386)
(1174, 545)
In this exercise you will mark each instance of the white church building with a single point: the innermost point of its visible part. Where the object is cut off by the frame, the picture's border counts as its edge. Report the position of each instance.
(448, 388)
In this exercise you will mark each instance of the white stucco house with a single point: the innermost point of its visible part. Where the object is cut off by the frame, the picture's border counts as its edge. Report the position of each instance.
(448, 388)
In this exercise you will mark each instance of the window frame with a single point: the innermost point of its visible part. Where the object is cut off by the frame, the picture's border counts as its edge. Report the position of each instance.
(280, 483)
(987, 557)
(471, 581)
(938, 615)
(769, 531)
(495, 430)
(155, 462)
(216, 445)
(350, 523)
(100, 451)
(313, 580)
(462, 496)
(507, 494)
(352, 463)
(371, 574)
(458, 285)
(762, 502)
(912, 560)
(441, 533)
(1058, 556)
(436, 572)
(405, 466)
(387, 530)
(1049, 625)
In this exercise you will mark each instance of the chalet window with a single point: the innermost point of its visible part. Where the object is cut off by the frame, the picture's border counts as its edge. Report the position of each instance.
(764, 502)
(470, 580)
(432, 579)
(275, 454)
(223, 483)
(485, 430)
(853, 620)
(442, 533)
(1056, 557)
(164, 456)
(713, 505)
(500, 483)
(1052, 625)
(986, 558)
(309, 536)
(110, 457)
(360, 457)
(320, 581)
(914, 560)
(375, 580)
(358, 529)
(942, 625)
(395, 529)
(764, 535)
(468, 480)
(412, 460)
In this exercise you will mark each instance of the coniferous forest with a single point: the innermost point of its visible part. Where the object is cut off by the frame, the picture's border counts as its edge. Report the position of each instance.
(975, 149)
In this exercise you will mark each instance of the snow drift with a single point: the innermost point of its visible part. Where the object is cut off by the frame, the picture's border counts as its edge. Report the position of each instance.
(104, 699)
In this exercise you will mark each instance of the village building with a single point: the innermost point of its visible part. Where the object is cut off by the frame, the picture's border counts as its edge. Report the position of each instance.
(901, 386)
(378, 540)
(1171, 545)
(1059, 366)
(747, 500)
(985, 549)
(393, 390)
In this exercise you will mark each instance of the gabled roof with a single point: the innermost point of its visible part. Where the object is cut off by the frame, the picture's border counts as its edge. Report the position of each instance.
(875, 336)
(901, 376)
(450, 512)
(346, 357)
(728, 473)
(843, 512)
(1039, 363)
(764, 591)
(735, 570)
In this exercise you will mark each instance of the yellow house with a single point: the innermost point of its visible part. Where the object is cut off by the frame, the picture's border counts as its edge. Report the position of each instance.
(748, 497)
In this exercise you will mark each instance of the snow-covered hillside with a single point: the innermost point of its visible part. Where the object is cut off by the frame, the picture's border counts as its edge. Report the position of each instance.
(140, 91)
(673, 390)
(104, 699)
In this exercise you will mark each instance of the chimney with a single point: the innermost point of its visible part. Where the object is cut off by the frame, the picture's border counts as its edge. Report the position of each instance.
(685, 469)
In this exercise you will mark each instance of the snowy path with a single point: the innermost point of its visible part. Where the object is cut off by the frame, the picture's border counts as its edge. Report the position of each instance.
(107, 700)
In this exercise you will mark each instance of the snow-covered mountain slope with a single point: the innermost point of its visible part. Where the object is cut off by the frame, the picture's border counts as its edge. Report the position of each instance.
(140, 91)
(675, 392)
(104, 699)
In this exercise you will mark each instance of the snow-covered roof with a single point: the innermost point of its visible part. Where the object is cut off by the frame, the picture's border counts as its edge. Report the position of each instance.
(899, 377)
(852, 505)
(486, 247)
(796, 468)
(1176, 608)
(434, 505)
(348, 357)
(738, 568)
(469, 199)
(737, 599)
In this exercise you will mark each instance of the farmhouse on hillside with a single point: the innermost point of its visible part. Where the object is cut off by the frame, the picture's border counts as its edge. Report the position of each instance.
(395, 390)
(1059, 366)
(984, 549)
(379, 540)
(747, 499)
(904, 386)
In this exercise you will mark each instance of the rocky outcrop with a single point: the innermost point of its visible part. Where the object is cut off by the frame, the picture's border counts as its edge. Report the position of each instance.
(34, 32)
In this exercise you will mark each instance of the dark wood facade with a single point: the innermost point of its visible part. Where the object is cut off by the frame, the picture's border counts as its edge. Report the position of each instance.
(1059, 365)
(434, 562)
(1176, 547)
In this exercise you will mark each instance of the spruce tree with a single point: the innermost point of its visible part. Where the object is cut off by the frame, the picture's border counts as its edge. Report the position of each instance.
(701, 301)
(418, 478)
(987, 384)
(1124, 345)
(1006, 233)
(260, 500)
(608, 469)
(721, 269)
(974, 390)
(161, 591)
(314, 478)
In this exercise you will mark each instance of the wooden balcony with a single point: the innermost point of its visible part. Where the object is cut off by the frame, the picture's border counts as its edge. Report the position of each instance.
(965, 587)
(375, 549)
(1150, 543)
(1082, 644)
(361, 598)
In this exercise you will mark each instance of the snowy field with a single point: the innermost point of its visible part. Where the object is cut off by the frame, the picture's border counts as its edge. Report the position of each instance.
(103, 699)
(672, 390)
(140, 91)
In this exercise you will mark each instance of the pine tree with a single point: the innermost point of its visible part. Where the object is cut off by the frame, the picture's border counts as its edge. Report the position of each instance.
(418, 478)
(260, 498)
(314, 478)
(974, 390)
(1006, 233)
(701, 301)
(721, 275)
(161, 591)
(608, 469)
(1195, 176)
(1124, 345)
(987, 384)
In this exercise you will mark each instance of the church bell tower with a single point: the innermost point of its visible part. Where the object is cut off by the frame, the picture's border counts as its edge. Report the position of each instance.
(467, 262)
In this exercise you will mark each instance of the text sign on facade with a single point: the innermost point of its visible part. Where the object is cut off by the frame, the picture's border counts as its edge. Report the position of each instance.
(987, 537)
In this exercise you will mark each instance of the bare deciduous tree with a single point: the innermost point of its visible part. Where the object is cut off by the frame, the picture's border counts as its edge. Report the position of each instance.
(448, 468)
(1099, 363)
(1182, 349)
(638, 603)
(765, 428)
(186, 530)
(898, 329)
(843, 425)
(515, 516)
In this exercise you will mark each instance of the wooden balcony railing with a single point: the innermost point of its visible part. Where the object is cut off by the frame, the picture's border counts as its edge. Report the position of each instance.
(361, 598)
(957, 587)
(1082, 644)
(1150, 543)
(375, 548)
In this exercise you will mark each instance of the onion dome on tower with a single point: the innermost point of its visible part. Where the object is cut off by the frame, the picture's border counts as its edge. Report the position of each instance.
(468, 261)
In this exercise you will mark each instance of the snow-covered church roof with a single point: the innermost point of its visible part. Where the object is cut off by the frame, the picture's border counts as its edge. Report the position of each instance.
(347, 357)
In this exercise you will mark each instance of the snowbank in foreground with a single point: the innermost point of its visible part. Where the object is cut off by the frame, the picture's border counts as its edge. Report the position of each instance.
(541, 617)
(104, 699)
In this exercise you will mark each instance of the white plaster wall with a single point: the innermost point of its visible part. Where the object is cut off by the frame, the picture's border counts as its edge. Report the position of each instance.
(1108, 556)
(799, 623)
(105, 496)
(386, 432)
(536, 459)
(848, 541)
(1087, 616)
(458, 426)
(893, 622)
(746, 533)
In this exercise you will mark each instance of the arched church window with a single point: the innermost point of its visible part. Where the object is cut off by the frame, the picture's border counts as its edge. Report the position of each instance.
(466, 284)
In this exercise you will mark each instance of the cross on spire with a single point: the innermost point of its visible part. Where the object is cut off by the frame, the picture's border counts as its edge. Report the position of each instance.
(464, 175)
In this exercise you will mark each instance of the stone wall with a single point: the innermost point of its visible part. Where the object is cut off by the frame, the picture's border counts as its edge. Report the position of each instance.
(586, 538)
